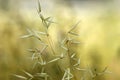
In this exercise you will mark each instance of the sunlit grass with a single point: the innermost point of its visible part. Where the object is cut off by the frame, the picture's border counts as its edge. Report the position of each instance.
(99, 36)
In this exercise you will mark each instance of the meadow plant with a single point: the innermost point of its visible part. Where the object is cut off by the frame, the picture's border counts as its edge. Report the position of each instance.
(50, 64)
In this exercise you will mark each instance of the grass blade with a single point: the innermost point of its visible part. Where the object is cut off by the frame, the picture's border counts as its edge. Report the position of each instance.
(21, 77)
(30, 75)
(39, 7)
(74, 27)
(26, 36)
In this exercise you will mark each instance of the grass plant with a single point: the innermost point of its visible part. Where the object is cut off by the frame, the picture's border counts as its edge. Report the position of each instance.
(50, 64)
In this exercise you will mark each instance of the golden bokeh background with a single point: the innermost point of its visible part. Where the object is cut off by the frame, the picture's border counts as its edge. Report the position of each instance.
(99, 31)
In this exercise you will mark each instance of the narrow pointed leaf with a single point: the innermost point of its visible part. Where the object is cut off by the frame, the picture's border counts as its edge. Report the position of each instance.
(73, 33)
(47, 19)
(43, 33)
(105, 69)
(74, 26)
(61, 56)
(30, 79)
(73, 55)
(80, 69)
(39, 7)
(29, 31)
(108, 72)
(64, 47)
(54, 60)
(26, 36)
(21, 77)
(91, 73)
(30, 75)
(64, 76)
(48, 25)
(33, 56)
(63, 41)
(43, 49)
(77, 64)
(42, 18)
(34, 65)
(37, 36)
(75, 42)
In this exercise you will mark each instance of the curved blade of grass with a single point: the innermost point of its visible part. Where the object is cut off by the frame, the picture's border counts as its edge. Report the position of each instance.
(19, 76)
(30, 75)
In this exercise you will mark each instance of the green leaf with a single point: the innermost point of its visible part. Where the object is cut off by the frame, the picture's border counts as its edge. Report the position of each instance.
(39, 32)
(30, 79)
(39, 7)
(65, 48)
(74, 27)
(44, 48)
(30, 75)
(33, 56)
(42, 75)
(31, 50)
(75, 42)
(80, 69)
(26, 36)
(105, 69)
(29, 31)
(35, 34)
(91, 73)
(42, 18)
(42, 63)
(47, 19)
(64, 41)
(77, 64)
(49, 22)
(35, 64)
(73, 55)
(21, 77)
(67, 75)
(73, 33)
(48, 25)
(54, 60)
(29, 35)
(62, 56)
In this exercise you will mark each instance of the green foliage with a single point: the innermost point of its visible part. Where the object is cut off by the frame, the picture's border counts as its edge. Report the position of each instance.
(47, 67)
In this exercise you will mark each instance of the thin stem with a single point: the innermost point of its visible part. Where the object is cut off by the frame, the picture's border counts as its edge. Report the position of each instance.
(69, 57)
(48, 38)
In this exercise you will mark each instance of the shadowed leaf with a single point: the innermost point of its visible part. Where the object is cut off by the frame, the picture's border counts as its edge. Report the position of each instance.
(39, 7)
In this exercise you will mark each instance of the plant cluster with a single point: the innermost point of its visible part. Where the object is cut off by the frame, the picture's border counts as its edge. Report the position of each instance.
(55, 65)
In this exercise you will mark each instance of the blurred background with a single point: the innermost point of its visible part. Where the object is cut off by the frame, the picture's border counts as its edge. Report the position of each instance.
(99, 31)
